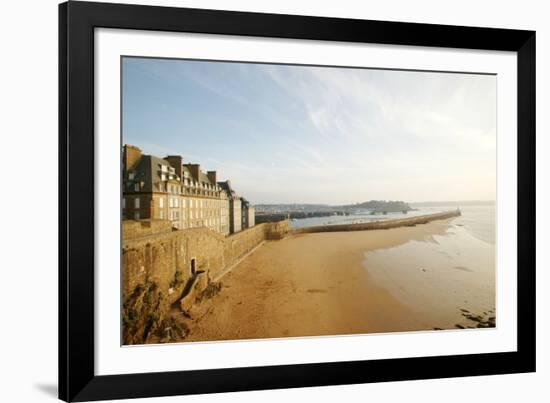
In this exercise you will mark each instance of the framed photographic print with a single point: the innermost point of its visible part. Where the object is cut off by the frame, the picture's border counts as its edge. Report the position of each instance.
(254, 201)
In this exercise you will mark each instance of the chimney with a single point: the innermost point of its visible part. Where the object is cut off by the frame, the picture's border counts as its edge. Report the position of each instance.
(176, 162)
(194, 169)
(212, 177)
(130, 157)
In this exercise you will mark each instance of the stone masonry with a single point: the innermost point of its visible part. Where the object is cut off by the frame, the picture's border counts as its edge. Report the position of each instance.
(162, 267)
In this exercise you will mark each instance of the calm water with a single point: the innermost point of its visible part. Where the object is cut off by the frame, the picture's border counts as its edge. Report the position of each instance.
(479, 220)
(359, 218)
(446, 273)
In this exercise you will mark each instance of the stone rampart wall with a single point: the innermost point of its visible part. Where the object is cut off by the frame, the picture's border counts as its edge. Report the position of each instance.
(162, 267)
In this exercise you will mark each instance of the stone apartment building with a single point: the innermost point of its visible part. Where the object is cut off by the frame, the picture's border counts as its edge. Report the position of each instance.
(247, 213)
(235, 212)
(168, 189)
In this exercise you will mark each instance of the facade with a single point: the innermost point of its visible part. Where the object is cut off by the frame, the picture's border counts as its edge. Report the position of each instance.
(235, 213)
(247, 214)
(168, 189)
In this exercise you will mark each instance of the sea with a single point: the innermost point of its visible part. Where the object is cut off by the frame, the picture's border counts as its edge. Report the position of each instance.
(478, 220)
(448, 277)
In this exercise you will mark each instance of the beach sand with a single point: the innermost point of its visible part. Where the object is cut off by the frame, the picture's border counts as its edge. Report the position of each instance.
(320, 284)
(323, 284)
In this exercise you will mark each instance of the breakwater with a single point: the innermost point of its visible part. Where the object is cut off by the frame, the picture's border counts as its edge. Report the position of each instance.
(385, 224)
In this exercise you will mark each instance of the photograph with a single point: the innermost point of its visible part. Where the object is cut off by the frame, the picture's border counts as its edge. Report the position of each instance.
(267, 201)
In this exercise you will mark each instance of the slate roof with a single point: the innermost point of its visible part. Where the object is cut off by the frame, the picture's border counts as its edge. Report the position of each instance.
(226, 186)
(204, 178)
(148, 173)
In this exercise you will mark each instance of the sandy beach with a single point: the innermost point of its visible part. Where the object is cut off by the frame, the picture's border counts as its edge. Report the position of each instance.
(326, 284)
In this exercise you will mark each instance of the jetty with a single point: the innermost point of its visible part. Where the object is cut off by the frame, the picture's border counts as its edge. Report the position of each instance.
(381, 224)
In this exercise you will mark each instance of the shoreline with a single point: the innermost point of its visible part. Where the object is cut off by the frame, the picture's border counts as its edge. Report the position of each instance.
(315, 284)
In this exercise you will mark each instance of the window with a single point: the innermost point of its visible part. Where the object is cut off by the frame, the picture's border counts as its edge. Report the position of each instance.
(131, 176)
(124, 202)
(171, 202)
(162, 177)
(136, 202)
(136, 187)
(161, 202)
(136, 215)
(176, 203)
(161, 215)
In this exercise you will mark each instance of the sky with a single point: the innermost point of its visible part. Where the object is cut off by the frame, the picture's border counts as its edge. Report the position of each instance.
(303, 134)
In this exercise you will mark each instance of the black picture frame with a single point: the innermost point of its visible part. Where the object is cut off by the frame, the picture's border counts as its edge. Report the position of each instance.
(77, 21)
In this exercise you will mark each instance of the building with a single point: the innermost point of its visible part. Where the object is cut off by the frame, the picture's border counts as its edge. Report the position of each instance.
(168, 189)
(235, 214)
(247, 214)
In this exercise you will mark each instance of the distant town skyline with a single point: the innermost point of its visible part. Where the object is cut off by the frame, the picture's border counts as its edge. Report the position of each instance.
(320, 135)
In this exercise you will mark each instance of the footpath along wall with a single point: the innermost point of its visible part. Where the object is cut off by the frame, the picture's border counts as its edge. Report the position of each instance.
(162, 267)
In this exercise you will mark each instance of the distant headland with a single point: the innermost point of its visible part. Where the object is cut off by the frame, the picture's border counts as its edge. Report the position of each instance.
(276, 212)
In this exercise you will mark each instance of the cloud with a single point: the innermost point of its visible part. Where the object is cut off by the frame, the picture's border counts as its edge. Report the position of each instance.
(337, 135)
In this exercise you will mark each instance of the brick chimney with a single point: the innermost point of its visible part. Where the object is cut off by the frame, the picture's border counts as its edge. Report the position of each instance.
(130, 157)
(176, 162)
(212, 177)
(194, 169)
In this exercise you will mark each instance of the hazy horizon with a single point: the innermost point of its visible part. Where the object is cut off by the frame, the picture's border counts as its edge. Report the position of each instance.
(406, 201)
(318, 135)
